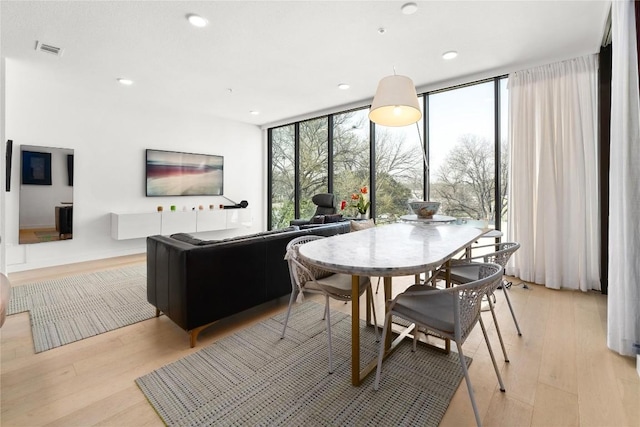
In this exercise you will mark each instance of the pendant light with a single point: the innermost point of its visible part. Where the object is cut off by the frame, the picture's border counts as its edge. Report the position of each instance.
(395, 102)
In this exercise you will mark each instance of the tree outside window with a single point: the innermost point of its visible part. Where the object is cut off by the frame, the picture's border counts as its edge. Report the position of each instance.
(462, 157)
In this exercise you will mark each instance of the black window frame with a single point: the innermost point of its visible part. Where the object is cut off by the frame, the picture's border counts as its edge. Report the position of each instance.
(424, 98)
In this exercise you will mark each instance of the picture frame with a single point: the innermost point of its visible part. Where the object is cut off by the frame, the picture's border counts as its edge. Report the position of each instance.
(36, 168)
(173, 173)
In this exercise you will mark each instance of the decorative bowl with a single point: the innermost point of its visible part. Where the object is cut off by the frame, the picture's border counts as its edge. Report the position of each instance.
(424, 210)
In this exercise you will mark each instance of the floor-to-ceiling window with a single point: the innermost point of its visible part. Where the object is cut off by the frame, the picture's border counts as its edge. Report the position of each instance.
(314, 157)
(399, 167)
(340, 153)
(351, 155)
(462, 151)
(283, 176)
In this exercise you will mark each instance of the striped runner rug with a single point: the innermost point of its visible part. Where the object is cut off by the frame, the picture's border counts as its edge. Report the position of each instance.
(255, 378)
(72, 308)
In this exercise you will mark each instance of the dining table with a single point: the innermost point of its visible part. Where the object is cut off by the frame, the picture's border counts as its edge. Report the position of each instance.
(392, 250)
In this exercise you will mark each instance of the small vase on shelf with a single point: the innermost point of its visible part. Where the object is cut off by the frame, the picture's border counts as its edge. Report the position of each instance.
(363, 215)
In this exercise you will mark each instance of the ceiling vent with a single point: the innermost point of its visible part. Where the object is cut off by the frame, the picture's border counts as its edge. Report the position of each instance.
(43, 47)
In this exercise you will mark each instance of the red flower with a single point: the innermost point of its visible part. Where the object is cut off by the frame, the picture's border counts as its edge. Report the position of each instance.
(360, 201)
(343, 205)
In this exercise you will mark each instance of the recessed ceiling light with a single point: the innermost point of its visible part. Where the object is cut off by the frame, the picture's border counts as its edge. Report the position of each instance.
(409, 8)
(450, 55)
(125, 82)
(254, 112)
(197, 21)
(343, 86)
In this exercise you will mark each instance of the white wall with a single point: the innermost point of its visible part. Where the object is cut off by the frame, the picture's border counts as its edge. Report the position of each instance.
(109, 133)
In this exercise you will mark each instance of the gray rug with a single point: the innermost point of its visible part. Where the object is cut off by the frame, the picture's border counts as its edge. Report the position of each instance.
(255, 378)
(69, 309)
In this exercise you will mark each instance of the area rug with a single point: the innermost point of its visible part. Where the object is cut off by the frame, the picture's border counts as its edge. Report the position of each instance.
(72, 308)
(254, 378)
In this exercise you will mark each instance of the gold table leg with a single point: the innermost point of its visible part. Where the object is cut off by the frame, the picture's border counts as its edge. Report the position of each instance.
(355, 330)
(357, 375)
(369, 307)
(447, 275)
(387, 297)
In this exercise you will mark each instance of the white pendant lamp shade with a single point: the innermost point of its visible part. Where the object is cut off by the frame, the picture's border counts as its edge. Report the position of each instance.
(395, 103)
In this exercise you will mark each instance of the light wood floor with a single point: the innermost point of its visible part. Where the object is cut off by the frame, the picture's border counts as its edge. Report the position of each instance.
(561, 372)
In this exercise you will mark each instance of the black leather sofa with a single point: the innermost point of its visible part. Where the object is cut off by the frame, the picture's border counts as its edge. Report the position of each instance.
(196, 282)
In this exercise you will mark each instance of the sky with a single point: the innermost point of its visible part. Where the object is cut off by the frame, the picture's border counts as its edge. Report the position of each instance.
(468, 110)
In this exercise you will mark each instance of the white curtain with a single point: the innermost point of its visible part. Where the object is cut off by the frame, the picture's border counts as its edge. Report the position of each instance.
(553, 176)
(624, 185)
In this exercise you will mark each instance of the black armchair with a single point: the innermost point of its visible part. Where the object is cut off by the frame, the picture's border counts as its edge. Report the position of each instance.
(326, 204)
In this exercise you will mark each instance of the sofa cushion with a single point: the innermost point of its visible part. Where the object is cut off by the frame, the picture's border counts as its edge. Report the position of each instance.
(314, 226)
(317, 219)
(262, 233)
(362, 225)
(187, 238)
(332, 218)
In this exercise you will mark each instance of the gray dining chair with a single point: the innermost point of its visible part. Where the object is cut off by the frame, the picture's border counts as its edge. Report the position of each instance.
(308, 278)
(450, 313)
(500, 255)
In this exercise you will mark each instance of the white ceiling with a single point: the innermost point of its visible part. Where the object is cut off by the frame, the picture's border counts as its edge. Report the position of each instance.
(285, 59)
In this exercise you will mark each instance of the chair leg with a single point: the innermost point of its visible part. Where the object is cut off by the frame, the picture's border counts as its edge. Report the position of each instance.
(375, 320)
(286, 319)
(467, 379)
(328, 318)
(495, 322)
(387, 319)
(506, 295)
(493, 359)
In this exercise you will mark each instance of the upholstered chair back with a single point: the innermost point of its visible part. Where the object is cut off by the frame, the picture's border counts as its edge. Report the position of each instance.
(326, 204)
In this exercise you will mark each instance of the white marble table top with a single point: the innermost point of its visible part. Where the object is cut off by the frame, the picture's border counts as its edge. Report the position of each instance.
(436, 218)
(398, 249)
(492, 233)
